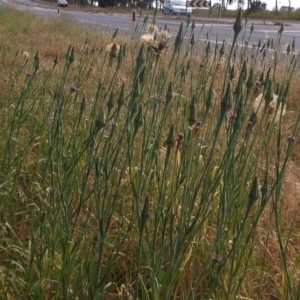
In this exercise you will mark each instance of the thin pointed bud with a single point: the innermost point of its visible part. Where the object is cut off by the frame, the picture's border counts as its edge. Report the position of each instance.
(234, 53)
(100, 122)
(179, 39)
(122, 54)
(265, 188)
(259, 44)
(207, 50)
(110, 102)
(250, 81)
(192, 42)
(244, 70)
(252, 28)
(82, 105)
(232, 72)
(170, 142)
(288, 48)
(193, 25)
(142, 75)
(281, 28)
(254, 194)
(121, 99)
(115, 33)
(140, 60)
(267, 77)
(226, 102)
(293, 45)
(209, 100)
(222, 51)
(169, 93)
(138, 120)
(56, 60)
(145, 214)
(238, 26)
(72, 56)
(36, 61)
(182, 73)
(269, 94)
(239, 87)
(282, 98)
(192, 109)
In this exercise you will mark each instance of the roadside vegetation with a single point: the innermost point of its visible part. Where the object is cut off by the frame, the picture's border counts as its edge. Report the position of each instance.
(147, 167)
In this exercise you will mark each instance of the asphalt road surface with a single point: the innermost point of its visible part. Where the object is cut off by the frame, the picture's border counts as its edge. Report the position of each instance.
(204, 26)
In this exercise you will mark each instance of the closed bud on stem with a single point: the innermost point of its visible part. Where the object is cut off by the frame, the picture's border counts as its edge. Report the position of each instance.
(169, 93)
(269, 94)
(226, 102)
(254, 194)
(110, 102)
(178, 39)
(264, 188)
(193, 25)
(280, 29)
(192, 42)
(207, 50)
(259, 44)
(121, 99)
(140, 60)
(250, 81)
(142, 75)
(239, 87)
(293, 45)
(145, 214)
(82, 105)
(56, 60)
(100, 122)
(122, 54)
(238, 26)
(138, 120)
(192, 116)
(232, 73)
(71, 56)
(222, 51)
(244, 70)
(170, 142)
(209, 99)
(36, 61)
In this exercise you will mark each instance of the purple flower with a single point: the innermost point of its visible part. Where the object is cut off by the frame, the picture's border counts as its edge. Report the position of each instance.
(254, 45)
(231, 115)
(201, 65)
(29, 74)
(160, 98)
(246, 43)
(113, 123)
(74, 88)
(216, 259)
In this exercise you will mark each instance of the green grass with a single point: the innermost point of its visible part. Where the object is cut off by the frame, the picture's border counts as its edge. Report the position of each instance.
(146, 169)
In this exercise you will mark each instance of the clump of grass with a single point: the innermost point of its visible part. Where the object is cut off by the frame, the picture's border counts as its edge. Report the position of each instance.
(169, 184)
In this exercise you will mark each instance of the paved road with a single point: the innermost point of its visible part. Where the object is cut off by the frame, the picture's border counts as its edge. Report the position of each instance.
(122, 21)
